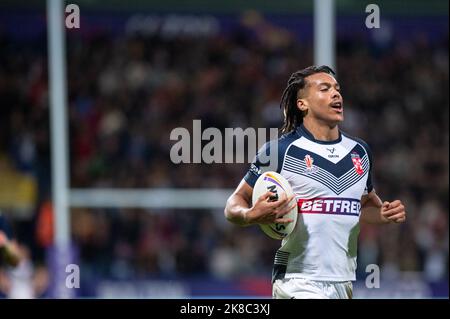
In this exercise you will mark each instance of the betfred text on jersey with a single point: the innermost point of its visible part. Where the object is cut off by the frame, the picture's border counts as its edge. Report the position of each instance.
(340, 206)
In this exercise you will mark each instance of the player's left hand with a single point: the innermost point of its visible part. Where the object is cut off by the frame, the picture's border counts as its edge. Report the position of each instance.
(394, 211)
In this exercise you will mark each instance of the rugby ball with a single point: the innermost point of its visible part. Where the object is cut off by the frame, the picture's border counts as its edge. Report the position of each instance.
(272, 181)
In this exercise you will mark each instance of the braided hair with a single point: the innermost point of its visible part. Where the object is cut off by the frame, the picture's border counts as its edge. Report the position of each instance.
(292, 115)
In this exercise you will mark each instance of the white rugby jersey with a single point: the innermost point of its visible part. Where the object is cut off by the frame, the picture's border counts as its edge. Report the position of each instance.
(328, 180)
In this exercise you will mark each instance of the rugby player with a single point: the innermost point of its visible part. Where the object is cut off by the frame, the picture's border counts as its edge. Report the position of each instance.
(331, 175)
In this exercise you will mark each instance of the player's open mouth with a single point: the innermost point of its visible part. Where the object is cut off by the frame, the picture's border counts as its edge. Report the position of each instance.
(337, 106)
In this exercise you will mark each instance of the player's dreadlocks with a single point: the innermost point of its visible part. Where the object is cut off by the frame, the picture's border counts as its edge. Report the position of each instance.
(292, 115)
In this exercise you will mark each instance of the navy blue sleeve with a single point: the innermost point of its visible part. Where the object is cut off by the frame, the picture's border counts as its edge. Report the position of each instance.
(260, 162)
(269, 157)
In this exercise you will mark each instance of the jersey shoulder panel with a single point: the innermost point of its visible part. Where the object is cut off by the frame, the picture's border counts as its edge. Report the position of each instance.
(270, 157)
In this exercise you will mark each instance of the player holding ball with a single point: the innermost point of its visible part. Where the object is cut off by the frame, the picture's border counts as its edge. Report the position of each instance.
(330, 174)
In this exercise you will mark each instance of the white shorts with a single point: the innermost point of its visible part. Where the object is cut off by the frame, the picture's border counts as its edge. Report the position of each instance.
(301, 288)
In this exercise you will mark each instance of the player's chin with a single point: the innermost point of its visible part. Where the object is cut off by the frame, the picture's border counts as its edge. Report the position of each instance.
(336, 118)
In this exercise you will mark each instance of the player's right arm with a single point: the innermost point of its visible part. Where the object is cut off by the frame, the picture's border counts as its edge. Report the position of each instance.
(240, 211)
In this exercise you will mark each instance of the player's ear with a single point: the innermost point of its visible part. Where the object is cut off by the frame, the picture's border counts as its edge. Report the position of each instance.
(302, 105)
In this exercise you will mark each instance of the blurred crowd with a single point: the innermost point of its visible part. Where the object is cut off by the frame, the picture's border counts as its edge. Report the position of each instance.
(126, 94)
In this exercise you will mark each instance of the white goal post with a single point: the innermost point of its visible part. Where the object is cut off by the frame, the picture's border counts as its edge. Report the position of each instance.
(150, 198)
